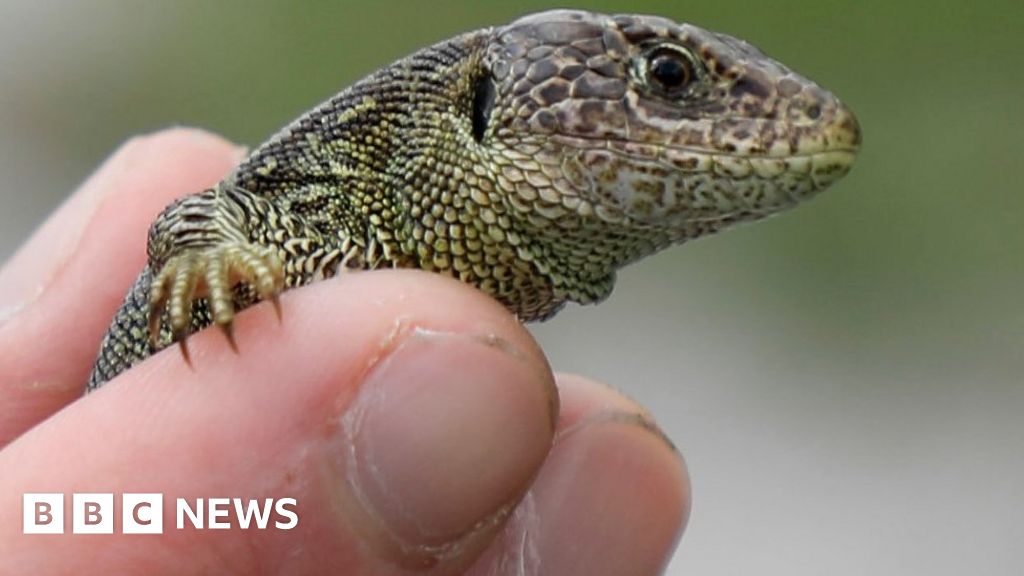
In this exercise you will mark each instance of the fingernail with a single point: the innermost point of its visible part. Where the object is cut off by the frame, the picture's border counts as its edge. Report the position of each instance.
(444, 436)
(612, 498)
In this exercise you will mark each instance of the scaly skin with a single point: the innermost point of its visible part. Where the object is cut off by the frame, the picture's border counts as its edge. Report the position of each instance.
(531, 160)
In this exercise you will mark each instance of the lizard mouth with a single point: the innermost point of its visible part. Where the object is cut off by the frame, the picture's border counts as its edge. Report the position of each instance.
(676, 187)
(821, 166)
(824, 149)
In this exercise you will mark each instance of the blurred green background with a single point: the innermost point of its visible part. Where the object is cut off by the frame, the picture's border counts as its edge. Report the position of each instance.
(845, 380)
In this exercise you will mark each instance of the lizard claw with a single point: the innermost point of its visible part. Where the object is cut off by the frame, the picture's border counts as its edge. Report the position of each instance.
(275, 300)
(229, 333)
(183, 347)
(211, 273)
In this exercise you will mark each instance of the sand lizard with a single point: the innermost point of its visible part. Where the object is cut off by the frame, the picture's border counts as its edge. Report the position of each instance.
(531, 160)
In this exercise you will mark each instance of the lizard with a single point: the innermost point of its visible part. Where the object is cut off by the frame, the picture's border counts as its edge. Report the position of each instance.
(531, 160)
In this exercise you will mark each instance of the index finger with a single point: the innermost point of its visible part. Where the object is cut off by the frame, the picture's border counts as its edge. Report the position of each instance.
(60, 290)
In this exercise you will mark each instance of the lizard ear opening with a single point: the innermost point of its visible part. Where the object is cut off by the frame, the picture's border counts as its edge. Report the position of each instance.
(483, 104)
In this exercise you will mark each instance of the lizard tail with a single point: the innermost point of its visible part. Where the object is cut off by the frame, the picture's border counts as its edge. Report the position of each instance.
(127, 340)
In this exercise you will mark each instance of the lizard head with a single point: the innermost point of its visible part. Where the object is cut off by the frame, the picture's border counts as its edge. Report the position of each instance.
(644, 132)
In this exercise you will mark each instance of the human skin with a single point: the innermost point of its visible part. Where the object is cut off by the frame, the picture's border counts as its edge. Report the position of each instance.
(416, 423)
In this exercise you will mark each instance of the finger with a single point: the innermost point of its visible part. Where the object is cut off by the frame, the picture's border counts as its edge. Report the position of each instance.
(59, 292)
(405, 413)
(612, 498)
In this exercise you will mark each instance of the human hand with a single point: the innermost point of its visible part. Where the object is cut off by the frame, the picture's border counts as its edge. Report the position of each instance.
(417, 425)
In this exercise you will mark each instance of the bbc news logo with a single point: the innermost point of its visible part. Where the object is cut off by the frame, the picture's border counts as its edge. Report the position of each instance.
(94, 513)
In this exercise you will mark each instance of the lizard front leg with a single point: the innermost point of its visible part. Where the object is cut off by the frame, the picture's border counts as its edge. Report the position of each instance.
(201, 247)
(210, 255)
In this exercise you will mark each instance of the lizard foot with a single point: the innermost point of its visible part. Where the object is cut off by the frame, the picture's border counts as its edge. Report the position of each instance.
(211, 273)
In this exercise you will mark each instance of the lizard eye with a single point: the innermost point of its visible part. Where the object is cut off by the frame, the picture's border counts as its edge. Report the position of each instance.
(483, 104)
(669, 69)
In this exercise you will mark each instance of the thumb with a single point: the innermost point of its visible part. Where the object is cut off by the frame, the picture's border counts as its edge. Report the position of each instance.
(403, 412)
